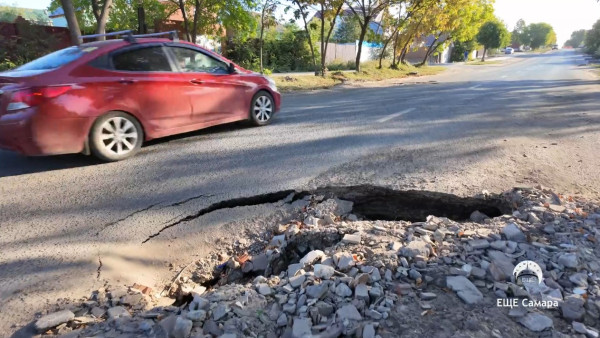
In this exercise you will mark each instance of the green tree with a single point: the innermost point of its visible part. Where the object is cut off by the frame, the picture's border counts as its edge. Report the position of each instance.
(8, 14)
(577, 38)
(211, 17)
(540, 35)
(519, 34)
(267, 19)
(492, 34)
(454, 20)
(592, 39)
(365, 12)
(348, 30)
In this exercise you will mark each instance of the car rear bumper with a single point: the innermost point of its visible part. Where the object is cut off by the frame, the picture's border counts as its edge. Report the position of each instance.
(32, 134)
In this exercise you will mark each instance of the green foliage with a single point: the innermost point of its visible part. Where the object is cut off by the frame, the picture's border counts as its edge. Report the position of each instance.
(577, 38)
(519, 34)
(283, 51)
(32, 43)
(348, 30)
(493, 34)
(7, 64)
(458, 52)
(592, 39)
(540, 35)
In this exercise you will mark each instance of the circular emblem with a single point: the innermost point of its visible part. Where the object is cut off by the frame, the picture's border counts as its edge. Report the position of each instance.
(528, 272)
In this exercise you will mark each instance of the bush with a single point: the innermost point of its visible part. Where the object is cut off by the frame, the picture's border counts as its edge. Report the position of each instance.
(7, 65)
(341, 65)
(31, 43)
(282, 52)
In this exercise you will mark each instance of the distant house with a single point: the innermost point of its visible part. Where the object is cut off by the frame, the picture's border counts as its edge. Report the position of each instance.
(374, 25)
(58, 18)
(419, 49)
(37, 16)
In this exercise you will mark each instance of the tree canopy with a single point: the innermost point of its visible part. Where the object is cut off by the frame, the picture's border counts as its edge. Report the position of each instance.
(540, 35)
(493, 34)
(577, 38)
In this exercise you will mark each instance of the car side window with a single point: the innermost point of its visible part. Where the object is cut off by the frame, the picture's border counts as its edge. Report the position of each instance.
(149, 59)
(193, 61)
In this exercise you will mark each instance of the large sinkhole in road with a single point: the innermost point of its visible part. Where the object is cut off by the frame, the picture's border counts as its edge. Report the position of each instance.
(369, 202)
(379, 203)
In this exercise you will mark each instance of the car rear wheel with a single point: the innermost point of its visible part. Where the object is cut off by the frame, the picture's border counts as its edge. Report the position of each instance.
(116, 136)
(262, 109)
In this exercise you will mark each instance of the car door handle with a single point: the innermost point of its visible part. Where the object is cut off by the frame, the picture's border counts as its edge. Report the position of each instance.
(196, 81)
(127, 81)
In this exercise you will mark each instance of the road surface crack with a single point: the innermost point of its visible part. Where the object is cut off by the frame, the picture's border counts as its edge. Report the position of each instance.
(126, 217)
(228, 204)
(188, 200)
(99, 267)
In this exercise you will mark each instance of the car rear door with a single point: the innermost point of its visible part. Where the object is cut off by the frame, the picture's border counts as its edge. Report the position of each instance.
(216, 95)
(148, 79)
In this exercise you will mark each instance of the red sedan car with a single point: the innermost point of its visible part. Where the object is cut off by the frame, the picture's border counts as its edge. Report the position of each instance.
(106, 98)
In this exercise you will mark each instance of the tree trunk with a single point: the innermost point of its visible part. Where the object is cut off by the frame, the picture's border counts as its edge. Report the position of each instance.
(101, 16)
(363, 33)
(74, 31)
(405, 49)
(483, 58)
(428, 53)
(403, 55)
(323, 51)
(394, 59)
(142, 28)
(325, 39)
(262, 31)
(310, 43)
(185, 20)
(194, 34)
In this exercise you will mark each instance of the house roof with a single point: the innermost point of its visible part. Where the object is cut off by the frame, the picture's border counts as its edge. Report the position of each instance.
(57, 12)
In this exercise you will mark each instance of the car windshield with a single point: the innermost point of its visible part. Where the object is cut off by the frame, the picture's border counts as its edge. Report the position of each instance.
(56, 59)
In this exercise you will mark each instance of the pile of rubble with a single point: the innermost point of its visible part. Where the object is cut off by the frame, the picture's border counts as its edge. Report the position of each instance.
(333, 275)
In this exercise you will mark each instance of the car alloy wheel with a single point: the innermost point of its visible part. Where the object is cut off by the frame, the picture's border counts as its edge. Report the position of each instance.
(263, 108)
(118, 136)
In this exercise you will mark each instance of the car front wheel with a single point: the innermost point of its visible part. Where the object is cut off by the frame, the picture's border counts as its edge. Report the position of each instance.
(116, 136)
(262, 109)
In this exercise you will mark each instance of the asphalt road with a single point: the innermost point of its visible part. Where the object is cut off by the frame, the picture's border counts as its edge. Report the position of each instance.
(69, 223)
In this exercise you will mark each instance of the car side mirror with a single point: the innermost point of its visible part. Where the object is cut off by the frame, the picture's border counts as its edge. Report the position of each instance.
(231, 68)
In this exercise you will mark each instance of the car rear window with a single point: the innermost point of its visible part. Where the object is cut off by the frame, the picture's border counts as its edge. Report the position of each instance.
(149, 59)
(56, 59)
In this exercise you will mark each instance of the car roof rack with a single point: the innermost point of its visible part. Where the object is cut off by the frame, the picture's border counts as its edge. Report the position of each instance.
(129, 37)
(172, 35)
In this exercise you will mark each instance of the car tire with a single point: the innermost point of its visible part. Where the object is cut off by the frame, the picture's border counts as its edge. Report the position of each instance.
(262, 109)
(115, 136)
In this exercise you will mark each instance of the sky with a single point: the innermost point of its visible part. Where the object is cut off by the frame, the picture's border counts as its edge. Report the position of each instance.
(565, 16)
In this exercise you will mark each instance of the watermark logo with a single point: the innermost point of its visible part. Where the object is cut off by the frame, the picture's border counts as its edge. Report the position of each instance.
(528, 272)
(529, 275)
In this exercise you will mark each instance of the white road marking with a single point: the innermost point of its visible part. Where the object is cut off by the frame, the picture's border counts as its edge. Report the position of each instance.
(504, 76)
(389, 117)
(475, 87)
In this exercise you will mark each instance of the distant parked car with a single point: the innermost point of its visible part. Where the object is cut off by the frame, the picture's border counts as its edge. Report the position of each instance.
(509, 50)
(107, 97)
(554, 47)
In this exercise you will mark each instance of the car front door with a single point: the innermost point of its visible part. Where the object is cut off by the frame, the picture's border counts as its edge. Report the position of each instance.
(149, 80)
(216, 95)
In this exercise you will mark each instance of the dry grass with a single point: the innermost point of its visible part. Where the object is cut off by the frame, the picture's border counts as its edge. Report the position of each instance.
(369, 72)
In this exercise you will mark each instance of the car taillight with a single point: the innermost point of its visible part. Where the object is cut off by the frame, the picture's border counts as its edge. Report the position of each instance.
(32, 97)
